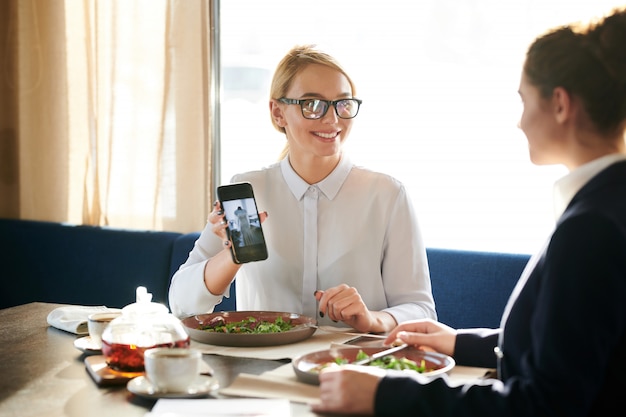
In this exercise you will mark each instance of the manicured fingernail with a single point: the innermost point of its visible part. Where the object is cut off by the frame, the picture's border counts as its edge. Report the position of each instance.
(226, 243)
(335, 321)
(315, 292)
(215, 203)
(220, 212)
(321, 314)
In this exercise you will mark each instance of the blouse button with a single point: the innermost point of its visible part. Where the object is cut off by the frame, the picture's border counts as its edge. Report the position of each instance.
(498, 352)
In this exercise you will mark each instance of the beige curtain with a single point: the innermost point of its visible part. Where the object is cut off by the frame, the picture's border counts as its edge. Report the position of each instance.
(104, 112)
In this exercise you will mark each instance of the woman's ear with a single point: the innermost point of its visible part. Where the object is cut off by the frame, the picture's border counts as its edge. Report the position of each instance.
(277, 113)
(561, 104)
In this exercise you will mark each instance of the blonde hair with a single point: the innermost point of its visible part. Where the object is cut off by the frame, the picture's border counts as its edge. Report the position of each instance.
(296, 60)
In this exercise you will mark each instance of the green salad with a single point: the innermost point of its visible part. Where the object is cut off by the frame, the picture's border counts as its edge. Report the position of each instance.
(386, 362)
(249, 325)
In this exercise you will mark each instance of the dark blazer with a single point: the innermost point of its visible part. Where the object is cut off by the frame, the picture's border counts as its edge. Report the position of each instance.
(562, 343)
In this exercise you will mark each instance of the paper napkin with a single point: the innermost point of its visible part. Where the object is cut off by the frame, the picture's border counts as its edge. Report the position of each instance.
(73, 318)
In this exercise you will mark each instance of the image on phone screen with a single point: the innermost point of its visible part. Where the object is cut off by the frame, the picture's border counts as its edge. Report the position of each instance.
(243, 221)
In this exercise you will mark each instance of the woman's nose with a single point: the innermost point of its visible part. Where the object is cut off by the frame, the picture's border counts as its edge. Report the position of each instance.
(330, 116)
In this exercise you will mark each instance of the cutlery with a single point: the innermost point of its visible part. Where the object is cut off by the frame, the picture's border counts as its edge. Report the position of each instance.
(380, 354)
(339, 330)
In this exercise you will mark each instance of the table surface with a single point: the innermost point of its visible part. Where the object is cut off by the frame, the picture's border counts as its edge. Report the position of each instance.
(43, 374)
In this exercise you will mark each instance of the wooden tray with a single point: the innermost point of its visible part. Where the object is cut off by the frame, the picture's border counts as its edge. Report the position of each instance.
(104, 376)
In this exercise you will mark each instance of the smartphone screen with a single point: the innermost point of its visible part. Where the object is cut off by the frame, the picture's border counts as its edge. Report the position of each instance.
(244, 225)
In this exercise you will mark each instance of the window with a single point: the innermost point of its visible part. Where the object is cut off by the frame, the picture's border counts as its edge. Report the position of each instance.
(438, 80)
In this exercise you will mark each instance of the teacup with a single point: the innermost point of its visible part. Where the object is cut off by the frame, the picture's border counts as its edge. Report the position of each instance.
(172, 369)
(97, 322)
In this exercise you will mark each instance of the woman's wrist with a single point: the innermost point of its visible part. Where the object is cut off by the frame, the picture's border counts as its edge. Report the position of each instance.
(219, 272)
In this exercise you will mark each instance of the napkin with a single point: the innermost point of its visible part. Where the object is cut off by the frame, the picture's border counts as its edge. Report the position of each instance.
(221, 408)
(278, 383)
(282, 382)
(73, 318)
(320, 340)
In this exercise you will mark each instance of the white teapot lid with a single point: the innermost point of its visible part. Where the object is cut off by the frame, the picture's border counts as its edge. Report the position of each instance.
(144, 304)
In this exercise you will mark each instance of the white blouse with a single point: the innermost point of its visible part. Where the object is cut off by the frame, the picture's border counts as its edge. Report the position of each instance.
(356, 227)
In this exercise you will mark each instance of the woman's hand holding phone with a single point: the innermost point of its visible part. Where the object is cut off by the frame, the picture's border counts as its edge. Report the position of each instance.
(216, 218)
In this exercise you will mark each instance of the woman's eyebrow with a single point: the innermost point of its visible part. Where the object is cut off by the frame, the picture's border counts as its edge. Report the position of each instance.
(317, 95)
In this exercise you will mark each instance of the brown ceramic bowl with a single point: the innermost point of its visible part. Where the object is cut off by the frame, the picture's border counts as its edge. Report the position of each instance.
(304, 365)
(304, 328)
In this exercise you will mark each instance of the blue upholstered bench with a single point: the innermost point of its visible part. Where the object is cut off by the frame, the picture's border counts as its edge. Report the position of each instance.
(85, 265)
(54, 262)
(470, 288)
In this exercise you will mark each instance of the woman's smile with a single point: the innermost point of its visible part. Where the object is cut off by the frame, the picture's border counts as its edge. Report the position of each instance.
(328, 136)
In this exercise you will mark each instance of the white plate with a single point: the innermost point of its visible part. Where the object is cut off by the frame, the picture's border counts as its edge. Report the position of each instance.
(86, 345)
(201, 387)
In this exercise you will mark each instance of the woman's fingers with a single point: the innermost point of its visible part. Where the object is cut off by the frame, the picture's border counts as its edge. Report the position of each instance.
(348, 390)
(425, 332)
(219, 224)
(341, 303)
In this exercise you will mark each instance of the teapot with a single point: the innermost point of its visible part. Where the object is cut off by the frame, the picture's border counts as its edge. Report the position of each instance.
(143, 325)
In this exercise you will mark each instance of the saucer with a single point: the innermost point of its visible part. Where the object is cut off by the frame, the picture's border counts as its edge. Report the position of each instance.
(201, 387)
(86, 345)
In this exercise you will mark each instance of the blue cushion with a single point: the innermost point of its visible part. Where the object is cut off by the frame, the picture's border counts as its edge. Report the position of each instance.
(86, 265)
(471, 288)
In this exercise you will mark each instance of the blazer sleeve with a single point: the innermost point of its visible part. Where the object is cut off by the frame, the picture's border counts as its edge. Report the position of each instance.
(476, 347)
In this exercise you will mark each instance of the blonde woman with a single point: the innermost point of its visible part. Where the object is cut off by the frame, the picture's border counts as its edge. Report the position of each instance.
(343, 241)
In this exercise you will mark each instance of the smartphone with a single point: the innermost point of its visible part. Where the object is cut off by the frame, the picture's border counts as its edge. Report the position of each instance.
(244, 224)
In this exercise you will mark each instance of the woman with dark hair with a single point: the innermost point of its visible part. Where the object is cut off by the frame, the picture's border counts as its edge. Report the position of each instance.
(561, 348)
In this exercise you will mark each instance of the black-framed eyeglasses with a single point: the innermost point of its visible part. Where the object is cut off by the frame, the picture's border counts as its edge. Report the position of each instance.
(313, 108)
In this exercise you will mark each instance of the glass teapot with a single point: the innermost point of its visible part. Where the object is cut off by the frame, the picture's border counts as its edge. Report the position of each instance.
(142, 325)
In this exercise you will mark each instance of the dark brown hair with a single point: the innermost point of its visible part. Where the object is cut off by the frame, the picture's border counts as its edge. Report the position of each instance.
(589, 61)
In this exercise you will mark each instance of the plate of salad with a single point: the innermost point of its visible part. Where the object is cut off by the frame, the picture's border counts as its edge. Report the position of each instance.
(308, 366)
(249, 328)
